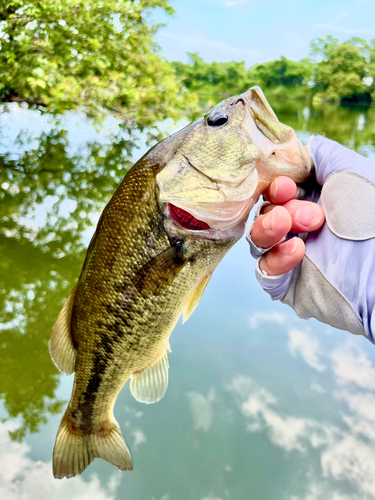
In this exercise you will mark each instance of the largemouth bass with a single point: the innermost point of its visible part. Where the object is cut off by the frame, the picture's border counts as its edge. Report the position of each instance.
(175, 215)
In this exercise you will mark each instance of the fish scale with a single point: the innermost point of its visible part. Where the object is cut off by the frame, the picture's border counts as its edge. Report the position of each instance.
(151, 259)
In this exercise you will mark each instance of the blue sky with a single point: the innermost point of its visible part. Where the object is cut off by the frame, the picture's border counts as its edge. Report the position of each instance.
(256, 31)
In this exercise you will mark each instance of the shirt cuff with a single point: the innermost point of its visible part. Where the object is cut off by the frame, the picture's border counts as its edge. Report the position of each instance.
(275, 286)
(255, 251)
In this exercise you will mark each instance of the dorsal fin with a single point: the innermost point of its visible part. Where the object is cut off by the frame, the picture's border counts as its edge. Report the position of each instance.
(149, 385)
(195, 298)
(61, 348)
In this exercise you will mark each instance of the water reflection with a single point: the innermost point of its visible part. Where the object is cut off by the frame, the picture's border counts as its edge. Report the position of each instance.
(47, 195)
(256, 400)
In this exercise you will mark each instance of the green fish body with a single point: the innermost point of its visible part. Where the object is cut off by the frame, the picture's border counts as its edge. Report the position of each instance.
(168, 225)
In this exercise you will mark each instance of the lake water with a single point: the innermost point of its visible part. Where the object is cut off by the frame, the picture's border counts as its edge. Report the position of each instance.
(260, 405)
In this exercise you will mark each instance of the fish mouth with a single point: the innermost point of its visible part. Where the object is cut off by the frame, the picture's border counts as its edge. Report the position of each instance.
(180, 222)
(282, 151)
(185, 219)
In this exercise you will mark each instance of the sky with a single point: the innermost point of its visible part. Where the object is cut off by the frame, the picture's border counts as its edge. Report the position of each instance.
(257, 31)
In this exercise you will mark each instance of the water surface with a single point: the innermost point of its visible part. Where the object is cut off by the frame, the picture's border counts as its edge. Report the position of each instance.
(260, 404)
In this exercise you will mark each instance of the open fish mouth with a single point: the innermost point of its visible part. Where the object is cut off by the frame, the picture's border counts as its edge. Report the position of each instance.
(180, 221)
(215, 178)
(186, 220)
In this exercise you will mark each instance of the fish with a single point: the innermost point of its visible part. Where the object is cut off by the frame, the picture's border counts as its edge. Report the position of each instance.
(170, 222)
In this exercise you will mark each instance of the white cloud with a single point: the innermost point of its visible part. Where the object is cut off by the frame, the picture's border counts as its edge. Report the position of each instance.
(21, 477)
(201, 409)
(266, 316)
(340, 496)
(347, 450)
(351, 460)
(344, 457)
(361, 421)
(115, 481)
(317, 388)
(307, 346)
(360, 403)
(139, 438)
(351, 365)
(322, 491)
(288, 432)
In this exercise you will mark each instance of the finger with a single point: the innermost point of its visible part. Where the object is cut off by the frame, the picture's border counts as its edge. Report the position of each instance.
(283, 257)
(281, 190)
(270, 228)
(306, 216)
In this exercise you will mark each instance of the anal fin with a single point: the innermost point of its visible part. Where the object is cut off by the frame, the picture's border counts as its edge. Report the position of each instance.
(150, 384)
(195, 298)
(61, 348)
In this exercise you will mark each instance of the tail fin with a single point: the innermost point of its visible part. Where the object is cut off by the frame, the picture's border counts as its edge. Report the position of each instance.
(73, 452)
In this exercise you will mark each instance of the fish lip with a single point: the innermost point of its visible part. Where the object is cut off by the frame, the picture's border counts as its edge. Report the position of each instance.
(289, 154)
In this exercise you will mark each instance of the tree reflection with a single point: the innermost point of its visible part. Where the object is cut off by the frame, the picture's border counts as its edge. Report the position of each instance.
(48, 195)
(46, 198)
(351, 126)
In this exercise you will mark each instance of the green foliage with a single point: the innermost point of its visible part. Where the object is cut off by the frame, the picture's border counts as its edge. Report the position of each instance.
(213, 81)
(341, 70)
(41, 261)
(282, 72)
(333, 72)
(98, 56)
(323, 48)
(216, 81)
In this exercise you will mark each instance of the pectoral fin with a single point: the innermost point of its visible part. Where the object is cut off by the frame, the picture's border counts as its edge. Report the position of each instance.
(160, 272)
(195, 298)
(61, 348)
(150, 384)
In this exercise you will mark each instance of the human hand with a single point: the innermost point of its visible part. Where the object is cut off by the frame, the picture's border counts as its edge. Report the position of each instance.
(284, 215)
(331, 277)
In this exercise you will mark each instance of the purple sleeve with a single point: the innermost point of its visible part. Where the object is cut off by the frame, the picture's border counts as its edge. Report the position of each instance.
(348, 265)
(330, 156)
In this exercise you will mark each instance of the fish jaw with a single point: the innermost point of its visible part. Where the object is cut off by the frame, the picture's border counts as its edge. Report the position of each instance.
(282, 151)
(217, 176)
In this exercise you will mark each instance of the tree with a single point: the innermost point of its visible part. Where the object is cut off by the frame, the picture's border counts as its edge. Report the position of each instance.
(323, 48)
(213, 81)
(342, 69)
(282, 72)
(97, 56)
(41, 261)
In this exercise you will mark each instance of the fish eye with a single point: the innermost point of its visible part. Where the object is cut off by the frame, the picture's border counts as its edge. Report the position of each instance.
(216, 119)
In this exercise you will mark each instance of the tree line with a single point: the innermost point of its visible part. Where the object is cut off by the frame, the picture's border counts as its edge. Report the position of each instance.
(333, 72)
(100, 57)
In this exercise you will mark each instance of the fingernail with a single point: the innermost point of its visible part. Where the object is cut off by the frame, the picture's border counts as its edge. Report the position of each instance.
(274, 188)
(289, 247)
(307, 216)
(269, 220)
